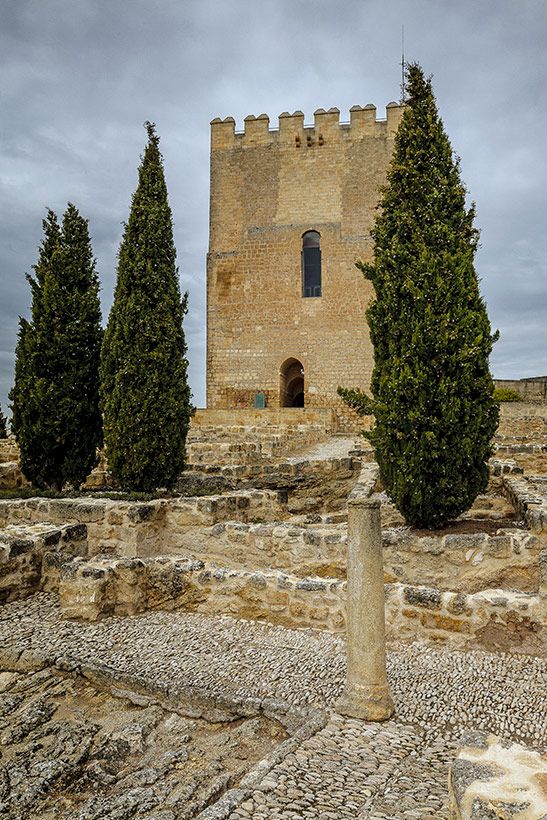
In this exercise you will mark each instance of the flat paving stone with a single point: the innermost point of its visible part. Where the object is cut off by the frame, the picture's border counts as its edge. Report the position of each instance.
(348, 768)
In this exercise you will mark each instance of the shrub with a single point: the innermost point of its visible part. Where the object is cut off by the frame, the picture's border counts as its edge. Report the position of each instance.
(506, 394)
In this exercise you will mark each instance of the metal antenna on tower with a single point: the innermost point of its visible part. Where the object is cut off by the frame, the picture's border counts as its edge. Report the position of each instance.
(402, 63)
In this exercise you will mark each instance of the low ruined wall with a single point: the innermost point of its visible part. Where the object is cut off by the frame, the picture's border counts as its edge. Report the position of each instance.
(30, 557)
(495, 619)
(467, 562)
(279, 545)
(235, 445)
(142, 528)
(294, 475)
(104, 586)
(463, 563)
(530, 458)
(521, 420)
(529, 496)
(269, 416)
(11, 477)
(9, 451)
(530, 389)
(249, 436)
(494, 778)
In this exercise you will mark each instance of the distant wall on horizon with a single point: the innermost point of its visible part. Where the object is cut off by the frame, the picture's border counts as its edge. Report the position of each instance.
(531, 389)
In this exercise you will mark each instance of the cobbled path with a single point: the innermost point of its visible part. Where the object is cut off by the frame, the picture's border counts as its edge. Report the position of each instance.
(347, 769)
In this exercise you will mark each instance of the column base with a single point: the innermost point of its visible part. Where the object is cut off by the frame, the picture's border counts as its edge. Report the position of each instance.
(366, 703)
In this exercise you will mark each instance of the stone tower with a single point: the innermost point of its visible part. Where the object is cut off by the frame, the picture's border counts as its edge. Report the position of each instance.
(291, 211)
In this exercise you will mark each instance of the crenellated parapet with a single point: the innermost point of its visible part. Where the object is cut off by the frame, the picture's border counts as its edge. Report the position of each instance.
(291, 132)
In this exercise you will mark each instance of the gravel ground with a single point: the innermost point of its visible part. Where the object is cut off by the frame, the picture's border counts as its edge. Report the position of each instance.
(347, 769)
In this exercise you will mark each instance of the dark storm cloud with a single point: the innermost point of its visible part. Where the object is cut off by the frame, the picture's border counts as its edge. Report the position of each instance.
(79, 79)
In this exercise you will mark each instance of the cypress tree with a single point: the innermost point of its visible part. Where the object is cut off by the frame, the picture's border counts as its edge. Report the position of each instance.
(144, 391)
(55, 397)
(3, 425)
(432, 392)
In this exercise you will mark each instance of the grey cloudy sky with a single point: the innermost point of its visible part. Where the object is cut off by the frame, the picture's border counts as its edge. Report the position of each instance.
(79, 77)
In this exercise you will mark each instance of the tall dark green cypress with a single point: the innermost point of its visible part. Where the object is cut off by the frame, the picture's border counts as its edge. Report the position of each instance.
(144, 390)
(431, 385)
(55, 397)
(3, 425)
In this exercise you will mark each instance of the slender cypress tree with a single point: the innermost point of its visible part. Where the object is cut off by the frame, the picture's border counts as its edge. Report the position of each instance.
(431, 385)
(144, 391)
(3, 425)
(55, 397)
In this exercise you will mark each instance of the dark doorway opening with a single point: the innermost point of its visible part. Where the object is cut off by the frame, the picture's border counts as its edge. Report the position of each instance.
(291, 384)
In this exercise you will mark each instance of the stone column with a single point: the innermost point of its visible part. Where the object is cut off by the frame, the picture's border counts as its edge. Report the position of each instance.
(366, 694)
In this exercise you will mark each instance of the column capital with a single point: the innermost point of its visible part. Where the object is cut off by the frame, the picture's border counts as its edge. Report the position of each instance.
(364, 501)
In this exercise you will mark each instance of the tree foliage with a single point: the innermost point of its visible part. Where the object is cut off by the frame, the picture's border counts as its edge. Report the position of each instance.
(55, 397)
(144, 391)
(506, 394)
(431, 386)
(3, 425)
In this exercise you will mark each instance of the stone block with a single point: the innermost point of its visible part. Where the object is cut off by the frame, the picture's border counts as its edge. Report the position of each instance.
(494, 778)
(423, 597)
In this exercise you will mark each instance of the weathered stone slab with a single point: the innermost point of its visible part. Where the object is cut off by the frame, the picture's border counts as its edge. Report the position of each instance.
(497, 779)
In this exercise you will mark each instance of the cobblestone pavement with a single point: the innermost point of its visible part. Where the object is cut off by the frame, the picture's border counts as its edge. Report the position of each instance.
(346, 769)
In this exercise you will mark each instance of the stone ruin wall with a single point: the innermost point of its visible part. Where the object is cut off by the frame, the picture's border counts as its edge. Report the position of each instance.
(141, 572)
(533, 390)
(252, 554)
(90, 587)
(267, 189)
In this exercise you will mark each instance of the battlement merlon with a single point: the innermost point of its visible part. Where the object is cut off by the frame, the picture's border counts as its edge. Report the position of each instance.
(326, 128)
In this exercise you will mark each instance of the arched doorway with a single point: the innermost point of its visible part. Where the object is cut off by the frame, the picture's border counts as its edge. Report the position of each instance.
(291, 384)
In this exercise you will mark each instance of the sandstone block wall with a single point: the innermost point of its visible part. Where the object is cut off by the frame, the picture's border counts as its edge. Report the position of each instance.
(267, 189)
(142, 528)
(522, 435)
(529, 389)
(469, 562)
(30, 557)
(529, 496)
(9, 451)
(104, 586)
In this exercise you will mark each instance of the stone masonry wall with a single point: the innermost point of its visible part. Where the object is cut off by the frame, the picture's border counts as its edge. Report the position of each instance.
(468, 562)
(248, 436)
(267, 189)
(104, 586)
(529, 389)
(247, 530)
(30, 557)
(141, 528)
(9, 451)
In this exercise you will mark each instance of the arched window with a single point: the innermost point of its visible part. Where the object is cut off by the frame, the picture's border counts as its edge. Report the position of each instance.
(311, 264)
